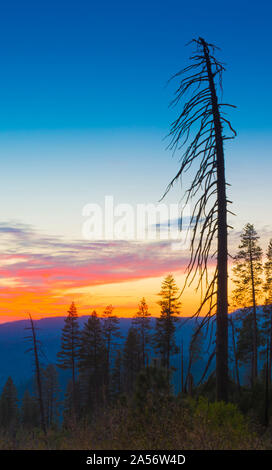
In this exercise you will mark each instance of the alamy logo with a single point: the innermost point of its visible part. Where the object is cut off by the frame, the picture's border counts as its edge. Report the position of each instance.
(141, 222)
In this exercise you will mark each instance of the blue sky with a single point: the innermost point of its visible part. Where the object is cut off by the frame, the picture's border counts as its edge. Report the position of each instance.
(85, 64)
(84, 105)
(83, 99)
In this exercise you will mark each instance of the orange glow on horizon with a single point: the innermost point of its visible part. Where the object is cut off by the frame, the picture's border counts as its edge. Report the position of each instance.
(17, 302)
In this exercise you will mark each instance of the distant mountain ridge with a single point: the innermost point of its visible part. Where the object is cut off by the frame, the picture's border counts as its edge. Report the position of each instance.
(16, 363)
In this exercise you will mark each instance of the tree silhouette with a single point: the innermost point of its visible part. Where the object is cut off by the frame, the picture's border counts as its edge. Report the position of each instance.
(9, 413)
(141, 322)
(164, 336)
(131, 359)
(92, 360)
(70, 343)
(110, 331)
(247, 278)
(203, 116)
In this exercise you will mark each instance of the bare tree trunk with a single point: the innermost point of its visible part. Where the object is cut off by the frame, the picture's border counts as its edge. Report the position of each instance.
(209, 216)
(38, 376)
(222, 252)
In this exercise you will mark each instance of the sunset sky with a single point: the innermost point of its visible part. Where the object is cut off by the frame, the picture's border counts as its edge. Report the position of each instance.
(84, 113)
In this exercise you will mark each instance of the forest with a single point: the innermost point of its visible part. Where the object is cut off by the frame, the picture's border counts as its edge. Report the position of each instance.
(122, 392)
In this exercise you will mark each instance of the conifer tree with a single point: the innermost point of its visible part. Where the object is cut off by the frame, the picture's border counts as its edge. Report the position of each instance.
(111, 332)
(70, 343)
(164, 336)
(92, 360)
(9, 413)
(131, 358)
(141, 322)
(247, 271)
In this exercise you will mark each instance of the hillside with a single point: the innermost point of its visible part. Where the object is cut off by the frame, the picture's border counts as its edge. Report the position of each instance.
(15, 362)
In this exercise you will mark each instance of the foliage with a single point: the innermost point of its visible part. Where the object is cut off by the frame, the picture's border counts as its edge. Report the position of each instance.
(92, 357)
(9, 405)
(247, 279)
(30, 415)
(164, 336)
(176, 424)
(247, 269)
(141, 322)
(131, 359)
(70, 340)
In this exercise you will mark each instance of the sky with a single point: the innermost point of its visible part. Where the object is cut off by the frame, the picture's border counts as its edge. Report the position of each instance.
(84, 114)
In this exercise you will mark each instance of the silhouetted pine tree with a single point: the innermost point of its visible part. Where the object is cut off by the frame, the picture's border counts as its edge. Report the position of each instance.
(111, 332)
(247, 271)
(92, 356)
(141, 322)
(9, 413)
(164, 335)
(131, 359)
(70, 343)
(203, 118)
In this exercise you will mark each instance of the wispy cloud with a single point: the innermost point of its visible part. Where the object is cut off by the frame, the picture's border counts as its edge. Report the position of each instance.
(33, 265)
(40, 272)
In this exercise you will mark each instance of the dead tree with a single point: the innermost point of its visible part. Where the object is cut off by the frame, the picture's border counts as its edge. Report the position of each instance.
(203, 116)
(35, 350)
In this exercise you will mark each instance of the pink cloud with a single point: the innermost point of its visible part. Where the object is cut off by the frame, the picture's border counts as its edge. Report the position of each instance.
(46, 263)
